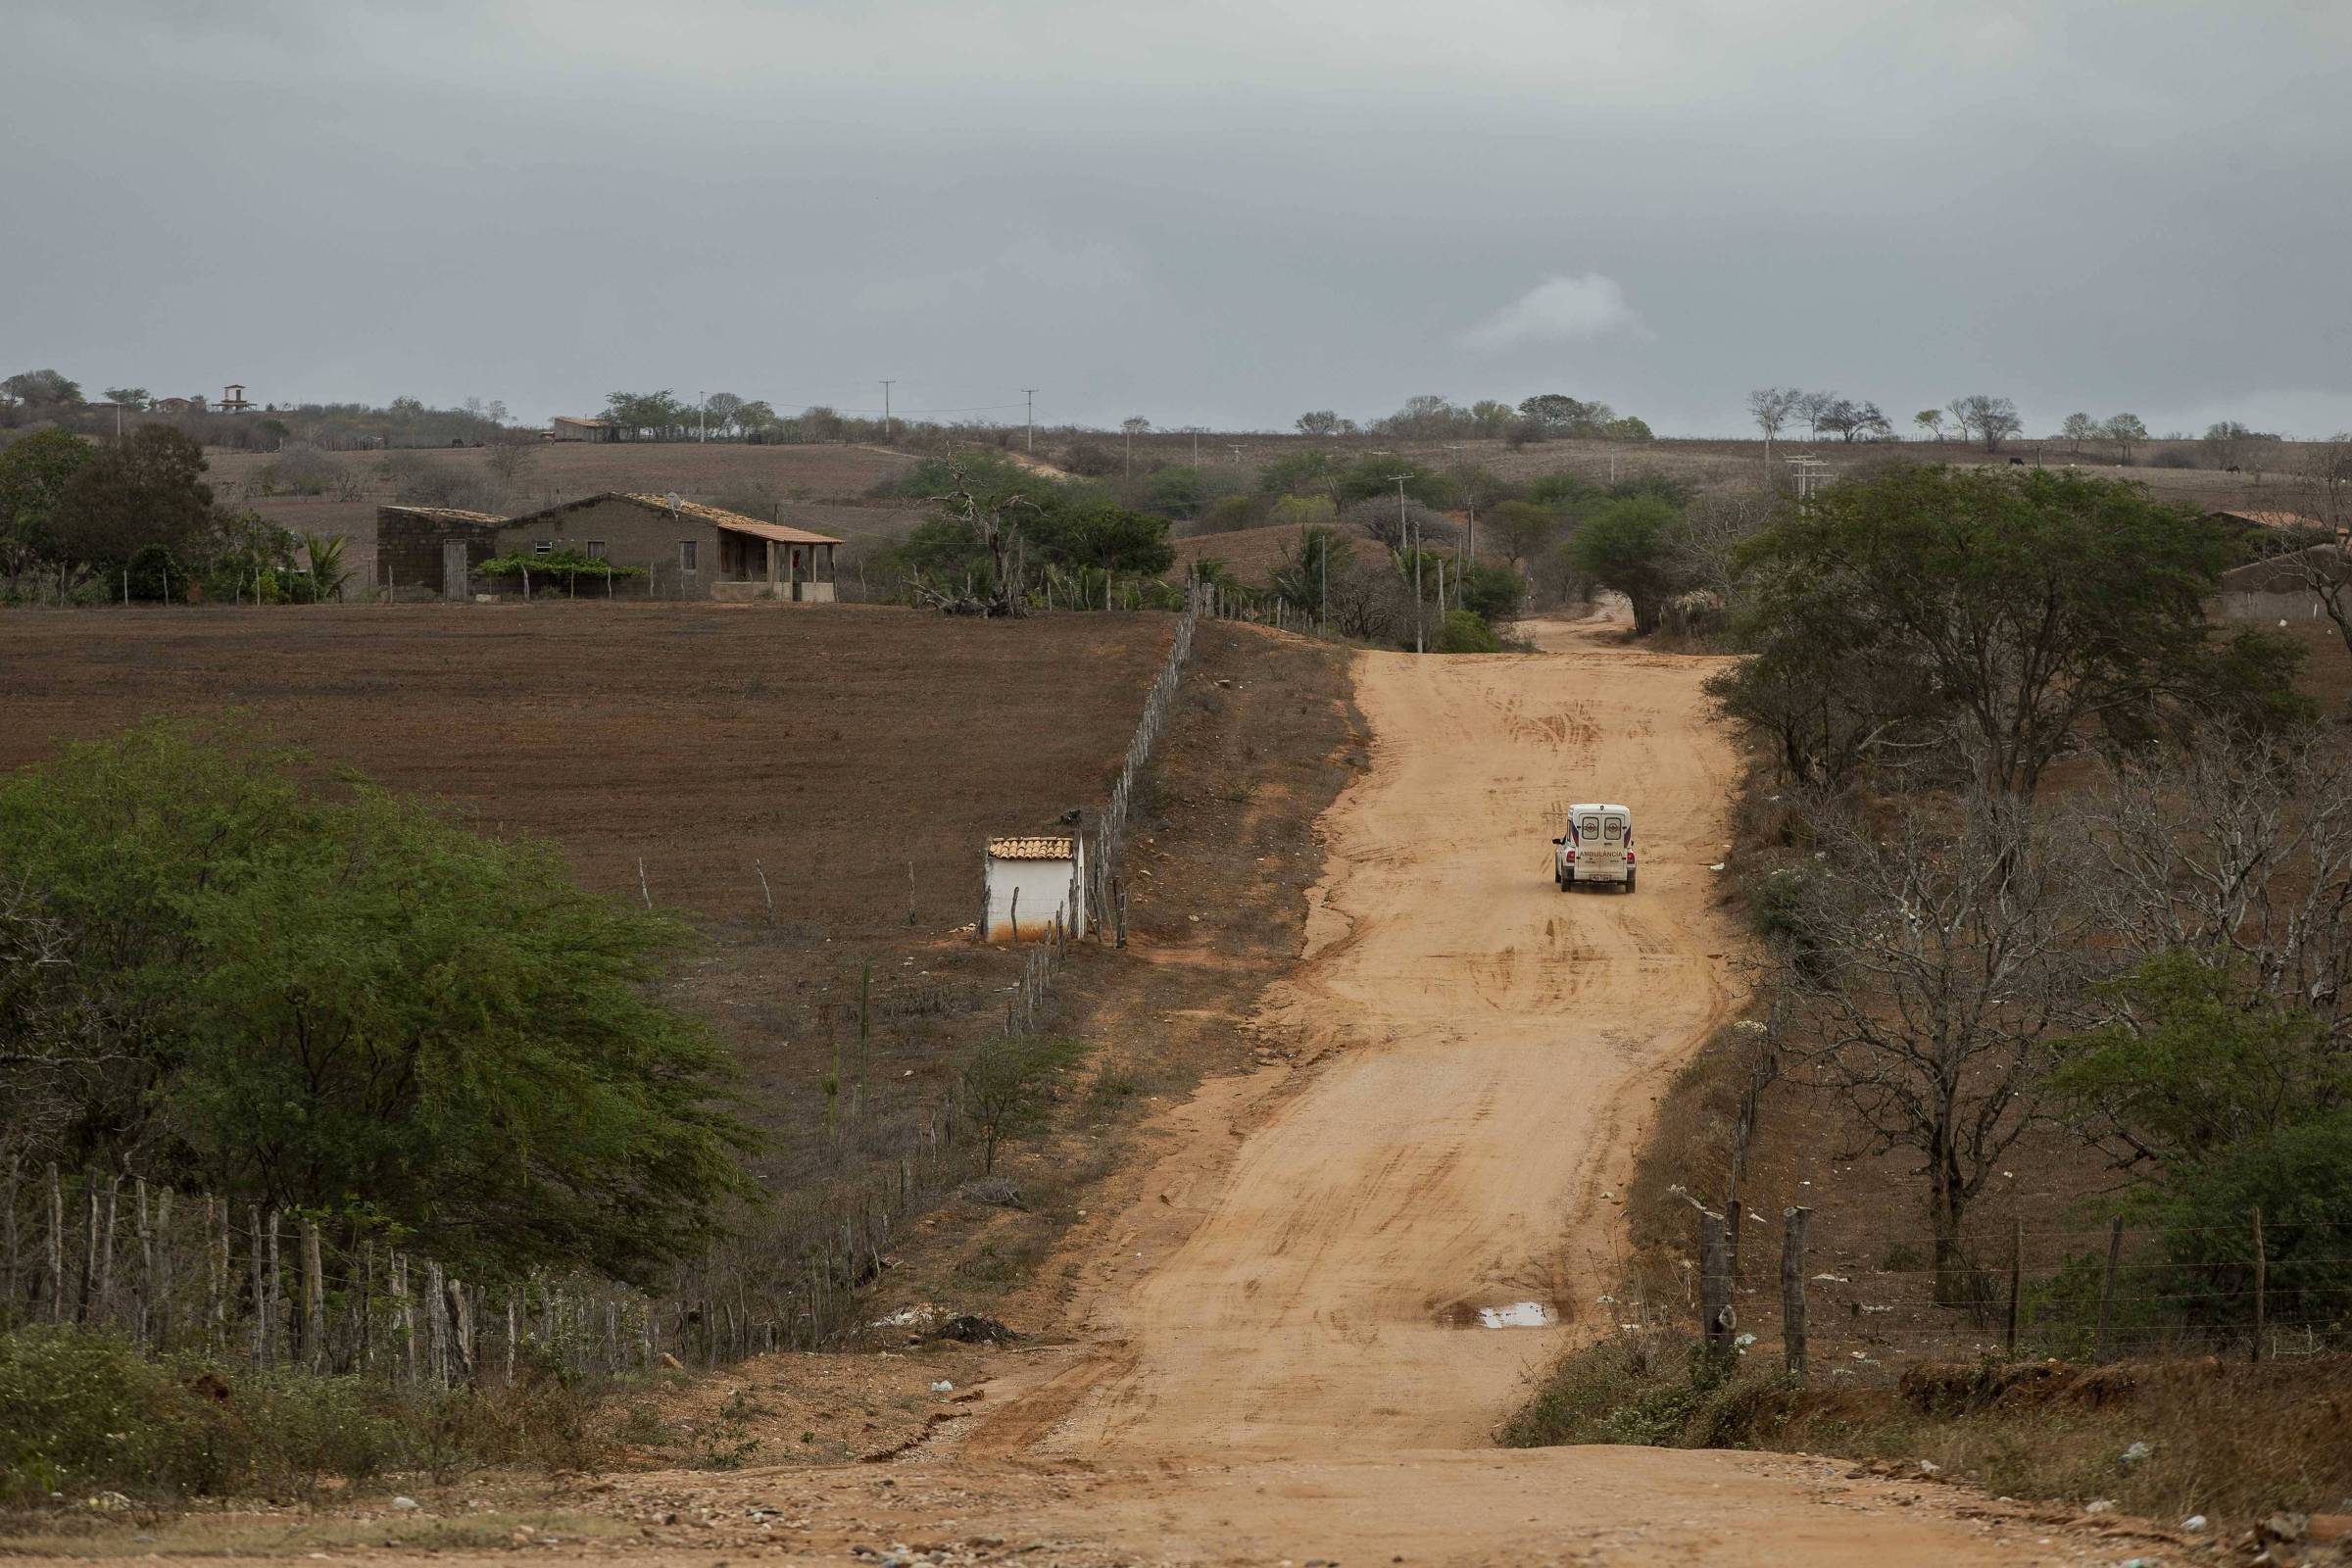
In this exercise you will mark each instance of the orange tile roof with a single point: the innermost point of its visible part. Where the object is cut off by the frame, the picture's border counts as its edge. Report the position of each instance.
(2266, 519)
(446, 514)
(1029, 848)
(734, 521)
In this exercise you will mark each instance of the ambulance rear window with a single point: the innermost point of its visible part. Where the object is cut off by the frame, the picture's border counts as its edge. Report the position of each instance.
(1591, 827)
(1612, 828)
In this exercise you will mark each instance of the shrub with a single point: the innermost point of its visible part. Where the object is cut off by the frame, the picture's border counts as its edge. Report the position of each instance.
(84, 1411)
(1465, 631)
(1006, 1084)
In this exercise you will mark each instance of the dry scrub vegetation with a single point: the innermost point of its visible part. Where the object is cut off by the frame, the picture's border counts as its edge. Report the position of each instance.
(2052, 885)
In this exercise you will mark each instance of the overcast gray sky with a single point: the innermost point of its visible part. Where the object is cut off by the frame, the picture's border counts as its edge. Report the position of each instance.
(1217, 212)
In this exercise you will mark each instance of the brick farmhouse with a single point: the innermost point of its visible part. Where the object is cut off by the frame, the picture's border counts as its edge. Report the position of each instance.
(687, 550)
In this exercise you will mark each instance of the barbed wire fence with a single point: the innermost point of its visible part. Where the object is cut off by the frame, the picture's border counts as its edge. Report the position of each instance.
(2258, 1291)
(1099, 891)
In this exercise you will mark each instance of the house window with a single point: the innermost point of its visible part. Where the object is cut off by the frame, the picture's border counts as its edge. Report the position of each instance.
(543, 547)
(596, 550)
(686, 555)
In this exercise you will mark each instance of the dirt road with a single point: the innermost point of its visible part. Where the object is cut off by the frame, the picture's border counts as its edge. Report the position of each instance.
(1276, 1354)
(1284, 1351)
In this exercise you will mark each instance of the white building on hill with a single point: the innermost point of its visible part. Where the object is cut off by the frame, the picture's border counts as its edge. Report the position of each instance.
(1038, 878)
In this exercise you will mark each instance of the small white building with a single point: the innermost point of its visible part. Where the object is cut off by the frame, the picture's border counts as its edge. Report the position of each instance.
(1038, 878)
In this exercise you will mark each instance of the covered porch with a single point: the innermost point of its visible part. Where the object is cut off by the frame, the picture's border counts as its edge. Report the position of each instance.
(776, 561)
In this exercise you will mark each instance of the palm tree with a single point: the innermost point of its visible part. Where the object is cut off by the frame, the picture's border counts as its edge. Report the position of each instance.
(328, 574)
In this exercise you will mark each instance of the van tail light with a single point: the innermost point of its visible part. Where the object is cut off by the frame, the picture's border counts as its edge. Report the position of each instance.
(1629, 856)
(1568, 854)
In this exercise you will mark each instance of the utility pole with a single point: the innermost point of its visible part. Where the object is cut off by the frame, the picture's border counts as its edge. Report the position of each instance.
(1469, 499)
(1402, 527)
(1030, 393)
(886, 410)
(701, 417)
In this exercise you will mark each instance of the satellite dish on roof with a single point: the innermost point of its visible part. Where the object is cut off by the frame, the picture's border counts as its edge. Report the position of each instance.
(672, 500)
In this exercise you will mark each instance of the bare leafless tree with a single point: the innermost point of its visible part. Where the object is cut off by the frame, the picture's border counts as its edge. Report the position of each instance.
(2239, 851)
(1926, 975)
(57, 1039)
(511, 463)
(989, 514)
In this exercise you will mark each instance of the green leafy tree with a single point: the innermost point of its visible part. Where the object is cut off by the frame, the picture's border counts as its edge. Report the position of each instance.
(1523, 528)
(2218, 1099)
(1490, 592)
(1490, 419)
(1303, 577)
(329, 576)
(1464, 631)
(2125, 430)
(1561, 414)
(2196, 1060)
(1005, 1085)
(723, 410)
(1300, 474)
(658, 412)
(1631, 545)
(2030, 603)
(2078, 428)
(346, 1005)
(1303, 511)
(147, 488)
(1377, 476)
(1092, 532)
(42, 388)
(1991, 419)
(1320, 422)
(1625, 427)
(1176, 492)
(35, 475)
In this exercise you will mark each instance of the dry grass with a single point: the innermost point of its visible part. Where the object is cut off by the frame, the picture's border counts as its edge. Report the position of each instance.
(93, 1534)
(2230, 1441)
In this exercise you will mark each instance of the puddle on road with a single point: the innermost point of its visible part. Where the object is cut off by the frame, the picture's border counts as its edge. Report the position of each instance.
(1510, 1315)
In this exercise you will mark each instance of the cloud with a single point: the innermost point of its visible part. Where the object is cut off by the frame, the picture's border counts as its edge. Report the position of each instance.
(1559, 310)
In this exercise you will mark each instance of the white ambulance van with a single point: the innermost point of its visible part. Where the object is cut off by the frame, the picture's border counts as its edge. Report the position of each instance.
(1596, 849)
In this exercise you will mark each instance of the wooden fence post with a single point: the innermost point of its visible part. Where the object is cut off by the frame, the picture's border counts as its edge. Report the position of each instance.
(2103, 1353)
(1792, 1289)
(2262, 1271)
(57, 1246)
(1717, 1317)
(143, 1295)
(260, 1295)
(89, 1249)
(2017, 1277)
(314, 1298)
(8, 1213)
(436, 1322)
(1733, 1215)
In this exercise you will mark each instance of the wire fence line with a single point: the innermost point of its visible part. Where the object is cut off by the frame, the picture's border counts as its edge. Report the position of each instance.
(1100, 893)
(2260, 1291)
(176, 1273)
(199, 1274)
